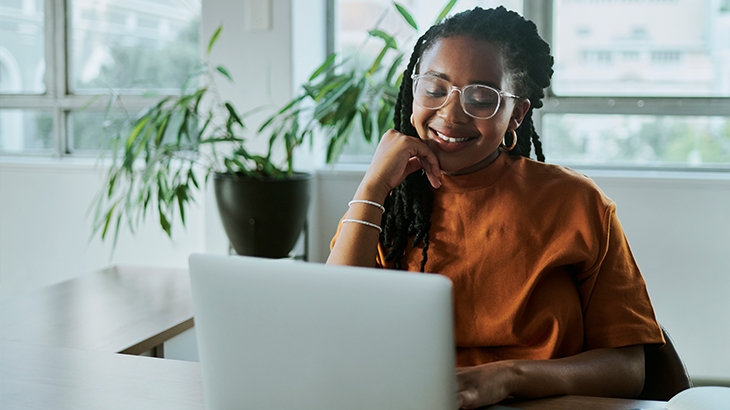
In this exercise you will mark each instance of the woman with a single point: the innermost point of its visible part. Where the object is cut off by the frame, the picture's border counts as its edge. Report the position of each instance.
(548, 299)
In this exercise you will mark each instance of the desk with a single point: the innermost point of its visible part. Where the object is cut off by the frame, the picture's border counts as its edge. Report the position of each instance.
(121, 309)
(58, 347)
(586, 403)
(42, 377)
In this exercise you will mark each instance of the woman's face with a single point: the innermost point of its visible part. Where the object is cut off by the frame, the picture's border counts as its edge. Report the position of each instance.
(463, 143)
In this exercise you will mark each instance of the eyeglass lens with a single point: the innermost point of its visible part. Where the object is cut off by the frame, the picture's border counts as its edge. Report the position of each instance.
(477, 100)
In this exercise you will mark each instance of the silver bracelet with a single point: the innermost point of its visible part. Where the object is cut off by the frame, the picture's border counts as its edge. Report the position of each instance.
(365, 201)
(361, 222)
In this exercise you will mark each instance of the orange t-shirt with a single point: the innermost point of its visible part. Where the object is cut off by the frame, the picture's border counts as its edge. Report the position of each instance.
(539, 263)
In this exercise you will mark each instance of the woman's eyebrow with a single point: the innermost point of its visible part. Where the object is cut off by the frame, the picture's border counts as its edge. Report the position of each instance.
(446, 77)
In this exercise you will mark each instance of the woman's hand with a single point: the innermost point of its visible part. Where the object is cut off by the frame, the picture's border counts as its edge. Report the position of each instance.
(397, 156)
(485, 384)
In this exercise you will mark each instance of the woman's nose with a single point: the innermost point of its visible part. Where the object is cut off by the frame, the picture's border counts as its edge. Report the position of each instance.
(452, 111)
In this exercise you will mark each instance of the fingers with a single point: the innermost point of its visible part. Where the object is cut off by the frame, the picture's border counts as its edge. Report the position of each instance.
(399, 155)
(433, 172)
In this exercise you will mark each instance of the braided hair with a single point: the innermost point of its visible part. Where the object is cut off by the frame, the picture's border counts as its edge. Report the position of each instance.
(528, 60)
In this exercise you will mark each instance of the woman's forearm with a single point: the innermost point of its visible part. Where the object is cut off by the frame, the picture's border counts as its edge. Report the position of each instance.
(615, 372)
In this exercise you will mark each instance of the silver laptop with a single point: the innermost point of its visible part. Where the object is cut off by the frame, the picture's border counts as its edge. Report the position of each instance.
(280, 334)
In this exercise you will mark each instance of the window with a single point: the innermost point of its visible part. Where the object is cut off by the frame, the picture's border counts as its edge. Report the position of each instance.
(628, 90)
(648, 92)
(55, 87)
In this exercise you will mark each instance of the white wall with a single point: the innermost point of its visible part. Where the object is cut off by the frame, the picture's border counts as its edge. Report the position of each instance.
(45, 234)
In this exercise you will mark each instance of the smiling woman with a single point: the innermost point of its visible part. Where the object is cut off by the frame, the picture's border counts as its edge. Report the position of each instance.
(548, 299)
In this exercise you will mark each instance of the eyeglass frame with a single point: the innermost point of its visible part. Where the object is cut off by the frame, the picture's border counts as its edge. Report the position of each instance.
(501, 94)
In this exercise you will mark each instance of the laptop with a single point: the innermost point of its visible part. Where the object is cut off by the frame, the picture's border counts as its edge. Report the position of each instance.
(283, 334)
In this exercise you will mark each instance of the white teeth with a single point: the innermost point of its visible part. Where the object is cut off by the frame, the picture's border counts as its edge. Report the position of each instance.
(449, 139)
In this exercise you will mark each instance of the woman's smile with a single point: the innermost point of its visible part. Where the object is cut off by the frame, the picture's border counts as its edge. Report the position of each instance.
(449, 141)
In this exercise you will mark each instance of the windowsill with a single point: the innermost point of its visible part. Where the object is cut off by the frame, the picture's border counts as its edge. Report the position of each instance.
(20, 162)
(689, 174)
(356, 170)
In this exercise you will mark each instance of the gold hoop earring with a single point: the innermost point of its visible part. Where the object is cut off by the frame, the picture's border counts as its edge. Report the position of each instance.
(514, 141)
(412, 124)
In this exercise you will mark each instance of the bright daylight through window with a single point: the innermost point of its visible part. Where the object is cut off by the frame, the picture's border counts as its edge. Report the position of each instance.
(637, 83)
(113, 46)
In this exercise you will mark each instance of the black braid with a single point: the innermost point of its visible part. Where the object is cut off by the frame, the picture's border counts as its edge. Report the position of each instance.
(527, 56)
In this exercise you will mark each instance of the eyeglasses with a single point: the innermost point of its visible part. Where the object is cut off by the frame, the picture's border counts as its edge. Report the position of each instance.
(477, 100)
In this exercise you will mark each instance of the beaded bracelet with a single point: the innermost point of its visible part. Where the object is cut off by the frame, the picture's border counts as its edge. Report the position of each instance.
(364, 201)
(366, 223)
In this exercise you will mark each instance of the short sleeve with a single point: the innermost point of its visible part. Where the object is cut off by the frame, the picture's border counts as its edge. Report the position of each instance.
(616, 307)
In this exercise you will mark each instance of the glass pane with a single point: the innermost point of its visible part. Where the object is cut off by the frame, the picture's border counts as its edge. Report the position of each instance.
(636, 140)
(140, 45)
(91, 130)
(611, 48)
(24, 130)
(22, 62)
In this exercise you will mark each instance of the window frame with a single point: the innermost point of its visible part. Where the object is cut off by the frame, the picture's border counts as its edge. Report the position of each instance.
(58, 97)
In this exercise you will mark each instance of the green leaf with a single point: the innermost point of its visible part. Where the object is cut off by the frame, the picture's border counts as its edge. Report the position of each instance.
(233, 115)
(181, 194)
(322, 68)
(88, 103)
(389, 40)
(376, 63)
(161, 129)
(183, 127)
(393, 68)
(191, 177)
(112, 180)
(406, 15)
(367, 124)
(445, 11)
(108, 218)
(221, 69)
(140, 124)
(214, 38)
(164, 223)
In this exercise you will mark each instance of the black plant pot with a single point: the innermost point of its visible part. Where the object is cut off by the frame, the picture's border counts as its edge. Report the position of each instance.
(263, 217)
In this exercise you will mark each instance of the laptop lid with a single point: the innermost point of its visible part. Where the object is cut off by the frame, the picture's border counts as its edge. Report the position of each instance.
(282, 334)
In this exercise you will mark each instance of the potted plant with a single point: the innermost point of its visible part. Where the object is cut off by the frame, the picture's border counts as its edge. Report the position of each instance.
(166, 153)
(158, 159)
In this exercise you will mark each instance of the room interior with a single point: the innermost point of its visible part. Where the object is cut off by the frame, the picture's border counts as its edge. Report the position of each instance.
(676, 221)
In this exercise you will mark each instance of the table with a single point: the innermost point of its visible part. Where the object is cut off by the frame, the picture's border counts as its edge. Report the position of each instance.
(121, 309)
(586, 403)
(43, 377)
(58, 347)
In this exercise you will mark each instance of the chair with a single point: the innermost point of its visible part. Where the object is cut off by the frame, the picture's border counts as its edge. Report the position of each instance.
(666, 374)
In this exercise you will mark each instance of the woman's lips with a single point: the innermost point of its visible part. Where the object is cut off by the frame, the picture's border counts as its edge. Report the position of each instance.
(450, 143)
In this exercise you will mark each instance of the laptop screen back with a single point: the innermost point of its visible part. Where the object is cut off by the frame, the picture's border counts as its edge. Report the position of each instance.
(284, 334)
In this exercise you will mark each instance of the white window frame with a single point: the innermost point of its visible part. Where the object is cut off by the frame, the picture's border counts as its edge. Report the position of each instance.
(58, 96)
